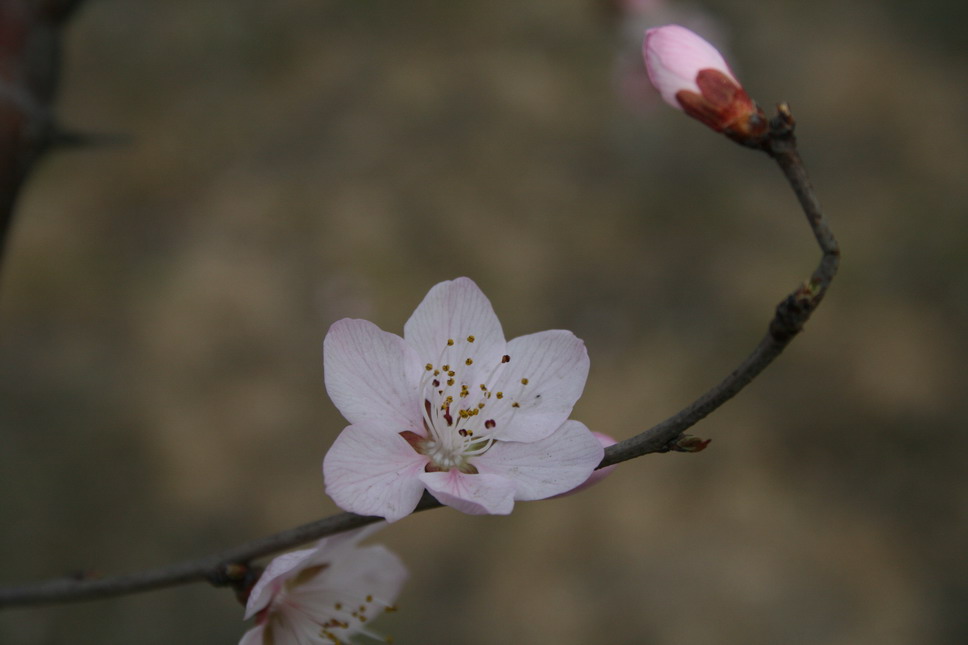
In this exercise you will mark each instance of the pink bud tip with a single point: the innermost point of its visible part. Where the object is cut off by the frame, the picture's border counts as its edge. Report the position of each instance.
(674, 56)
(691, 75)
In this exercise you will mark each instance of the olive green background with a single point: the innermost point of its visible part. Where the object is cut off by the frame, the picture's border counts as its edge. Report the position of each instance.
(163, 305)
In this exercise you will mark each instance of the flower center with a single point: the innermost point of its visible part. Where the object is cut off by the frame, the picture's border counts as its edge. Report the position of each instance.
(461, 410)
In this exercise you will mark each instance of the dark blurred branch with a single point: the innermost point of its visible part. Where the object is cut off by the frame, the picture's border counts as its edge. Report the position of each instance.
(227, 568)
(30, 61)
(215, 568)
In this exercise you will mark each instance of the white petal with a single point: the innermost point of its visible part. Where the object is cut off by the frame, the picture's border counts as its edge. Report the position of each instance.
(371, 472)
(369, 577)
(599, 474)
(336, 547)
(370, 570)
(255, 636)
(548, 467)
(455, 311)
(279, 570)
(555, 365)
(372, 376)
(474, 494)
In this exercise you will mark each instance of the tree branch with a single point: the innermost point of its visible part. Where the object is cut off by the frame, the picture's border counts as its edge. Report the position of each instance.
(787, 322)
(230, 567)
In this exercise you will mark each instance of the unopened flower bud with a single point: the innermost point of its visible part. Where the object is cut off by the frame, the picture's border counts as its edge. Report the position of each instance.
(692, 76)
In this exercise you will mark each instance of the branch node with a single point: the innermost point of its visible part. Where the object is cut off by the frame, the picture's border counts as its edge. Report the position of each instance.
(793, 311)
(241, 577)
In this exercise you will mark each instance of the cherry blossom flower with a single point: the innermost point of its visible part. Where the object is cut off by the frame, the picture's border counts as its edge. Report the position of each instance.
(454, 409)
(324, 594)
(693, 76)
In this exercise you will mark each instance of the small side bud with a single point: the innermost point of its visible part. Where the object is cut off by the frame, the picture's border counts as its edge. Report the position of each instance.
(236, 571)
(692, 76)
(689, 443)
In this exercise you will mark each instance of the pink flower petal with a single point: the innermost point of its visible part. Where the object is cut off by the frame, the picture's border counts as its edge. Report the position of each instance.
(599, 474)
(335, 548)
(371, 568)
(272, 579)
(674, 56)
(372, 376)
(342, 546)
(255, 636)
(544, 377)
(456, 311)
(477, 494)
(547, 467)
(330, 590)
(372, 472)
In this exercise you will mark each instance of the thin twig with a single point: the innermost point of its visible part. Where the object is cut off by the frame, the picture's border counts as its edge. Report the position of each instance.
(216, 568)
(790, 316)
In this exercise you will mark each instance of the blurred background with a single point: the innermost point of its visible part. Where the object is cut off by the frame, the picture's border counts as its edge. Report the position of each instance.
(163, 305)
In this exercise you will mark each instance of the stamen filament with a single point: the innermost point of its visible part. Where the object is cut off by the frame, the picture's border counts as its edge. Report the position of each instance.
(455, 428)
